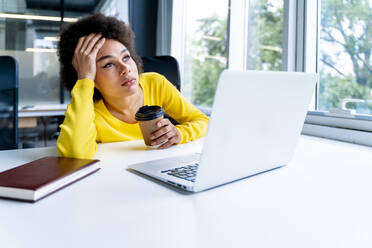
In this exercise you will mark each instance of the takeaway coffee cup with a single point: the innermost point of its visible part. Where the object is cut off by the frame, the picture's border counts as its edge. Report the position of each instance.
(147, 117)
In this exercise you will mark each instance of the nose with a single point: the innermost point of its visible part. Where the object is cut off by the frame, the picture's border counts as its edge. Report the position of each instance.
(123, 69)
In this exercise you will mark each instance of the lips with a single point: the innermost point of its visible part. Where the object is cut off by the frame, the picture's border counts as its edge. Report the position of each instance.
(129, 82)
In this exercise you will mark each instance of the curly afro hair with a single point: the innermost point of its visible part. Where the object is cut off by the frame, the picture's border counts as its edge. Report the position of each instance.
(109, 27)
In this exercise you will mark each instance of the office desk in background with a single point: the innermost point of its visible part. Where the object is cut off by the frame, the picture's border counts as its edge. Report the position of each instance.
(321, 199)
(28, 114)
(47, 114)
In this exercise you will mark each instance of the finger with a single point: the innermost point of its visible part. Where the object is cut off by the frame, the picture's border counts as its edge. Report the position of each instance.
(169, 143)
(86, 42)
(160, 132)
(98, 46)
(80, 42)
(92, 43)
(163, 122)
(162, 138)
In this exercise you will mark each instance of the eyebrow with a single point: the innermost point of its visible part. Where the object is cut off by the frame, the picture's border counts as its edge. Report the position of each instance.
(110, 56)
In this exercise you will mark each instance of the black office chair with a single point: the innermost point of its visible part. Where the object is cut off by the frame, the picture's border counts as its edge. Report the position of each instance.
(8, 103)
(165, 65)
(168, 67)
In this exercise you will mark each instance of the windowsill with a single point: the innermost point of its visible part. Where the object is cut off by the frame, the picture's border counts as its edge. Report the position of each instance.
(337, 133)
(353, 129)
(363, 117)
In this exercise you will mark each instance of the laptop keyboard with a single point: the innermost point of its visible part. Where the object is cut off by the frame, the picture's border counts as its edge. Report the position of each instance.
(187, 172)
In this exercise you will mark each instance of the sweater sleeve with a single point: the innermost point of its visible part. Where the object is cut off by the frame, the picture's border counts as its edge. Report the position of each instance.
(78, 134)
(193, 123)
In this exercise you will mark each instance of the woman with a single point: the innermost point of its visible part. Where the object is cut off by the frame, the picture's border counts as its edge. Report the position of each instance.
(100, 67)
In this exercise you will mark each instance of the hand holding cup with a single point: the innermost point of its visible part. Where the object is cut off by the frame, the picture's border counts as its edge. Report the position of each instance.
(157, 132)
(167, 135)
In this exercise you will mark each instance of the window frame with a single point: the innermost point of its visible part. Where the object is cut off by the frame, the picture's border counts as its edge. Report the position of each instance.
(178, 34)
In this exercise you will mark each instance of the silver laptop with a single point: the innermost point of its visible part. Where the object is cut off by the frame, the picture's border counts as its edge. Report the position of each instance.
(256, 120)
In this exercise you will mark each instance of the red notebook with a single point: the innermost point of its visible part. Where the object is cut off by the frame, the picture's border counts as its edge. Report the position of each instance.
(40, 178)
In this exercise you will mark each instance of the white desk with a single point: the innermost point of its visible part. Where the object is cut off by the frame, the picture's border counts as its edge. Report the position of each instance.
(323, 198)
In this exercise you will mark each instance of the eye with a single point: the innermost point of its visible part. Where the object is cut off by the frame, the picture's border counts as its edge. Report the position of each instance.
(126, 58)
(108, 65)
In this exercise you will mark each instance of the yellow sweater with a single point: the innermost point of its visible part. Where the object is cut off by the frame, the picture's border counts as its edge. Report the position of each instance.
(88, 122)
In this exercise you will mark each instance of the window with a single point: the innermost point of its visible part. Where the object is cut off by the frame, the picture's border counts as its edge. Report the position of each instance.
(345, 65)
(205, 48)
(33, 44)
(265, 35)
(328, 37)
(343, 49)
(207, 44)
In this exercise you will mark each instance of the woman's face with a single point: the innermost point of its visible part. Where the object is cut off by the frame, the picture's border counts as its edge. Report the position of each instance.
(116, 74)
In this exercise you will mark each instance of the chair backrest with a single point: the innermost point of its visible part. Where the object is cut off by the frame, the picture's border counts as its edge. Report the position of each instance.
(8, 103)
(168, 67)
(165, 65)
